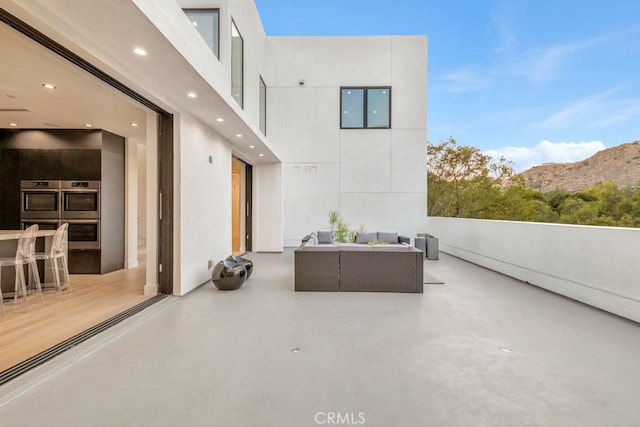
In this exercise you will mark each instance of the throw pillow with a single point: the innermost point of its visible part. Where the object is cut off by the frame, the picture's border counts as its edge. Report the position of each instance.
(387, 237)
(325, 237)
(365, 237)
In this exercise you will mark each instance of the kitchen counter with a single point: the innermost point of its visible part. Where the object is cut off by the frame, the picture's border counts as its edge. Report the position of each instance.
(15, 234)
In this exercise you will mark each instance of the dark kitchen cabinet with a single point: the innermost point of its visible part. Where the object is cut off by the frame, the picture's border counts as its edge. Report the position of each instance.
(70, 164)
(9, 189)
(79, 165)
(85, 261)
(40, 164)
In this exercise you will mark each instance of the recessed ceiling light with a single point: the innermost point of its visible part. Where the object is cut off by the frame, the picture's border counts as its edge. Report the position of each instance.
(261, 155)
(238, 135)
(140, 51)
(135, 125)
(252, 146)
(13, 125)
(220, 119)
(48, 86)
(192, 95)
(88, 125)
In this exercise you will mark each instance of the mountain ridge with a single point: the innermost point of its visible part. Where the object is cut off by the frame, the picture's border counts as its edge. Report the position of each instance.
(620, 164)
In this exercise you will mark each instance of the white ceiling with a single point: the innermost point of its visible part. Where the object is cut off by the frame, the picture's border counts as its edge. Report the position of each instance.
(78, 99)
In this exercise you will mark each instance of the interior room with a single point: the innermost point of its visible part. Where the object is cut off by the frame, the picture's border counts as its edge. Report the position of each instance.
(240, 207)
(67, 137)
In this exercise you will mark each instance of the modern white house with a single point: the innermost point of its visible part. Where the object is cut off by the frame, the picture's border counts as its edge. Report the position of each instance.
(247, 141)
(237, 141)
(293, 126)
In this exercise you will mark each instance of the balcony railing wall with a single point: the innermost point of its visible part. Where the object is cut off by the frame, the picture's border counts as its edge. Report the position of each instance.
(599, 266)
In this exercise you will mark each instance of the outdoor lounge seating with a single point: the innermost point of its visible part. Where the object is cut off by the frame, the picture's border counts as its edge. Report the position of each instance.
(392, 267)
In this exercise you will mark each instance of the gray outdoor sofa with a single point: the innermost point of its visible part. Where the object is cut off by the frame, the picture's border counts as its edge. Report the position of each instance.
(393, 267)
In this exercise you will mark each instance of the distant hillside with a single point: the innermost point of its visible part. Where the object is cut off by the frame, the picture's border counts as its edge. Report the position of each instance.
(620, 164)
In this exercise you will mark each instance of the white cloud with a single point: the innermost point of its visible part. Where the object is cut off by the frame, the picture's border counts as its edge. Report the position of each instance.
(598, 107)
(547, 152)
(466, 79)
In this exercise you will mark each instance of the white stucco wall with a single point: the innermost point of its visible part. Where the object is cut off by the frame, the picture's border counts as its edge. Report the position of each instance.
(203, 201)
(595, 265)
(267, 206)
(131, 203)
(142, 192)
(374, 177)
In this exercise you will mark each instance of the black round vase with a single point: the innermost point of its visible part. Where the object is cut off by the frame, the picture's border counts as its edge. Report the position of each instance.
(247, 263)
(228, 275)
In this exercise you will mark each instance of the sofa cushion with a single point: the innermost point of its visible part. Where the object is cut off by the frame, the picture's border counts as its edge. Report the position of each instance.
(321, 248)
(392, 248)
(354, 247)
(389, 237)
(366, 237)
(325, 237)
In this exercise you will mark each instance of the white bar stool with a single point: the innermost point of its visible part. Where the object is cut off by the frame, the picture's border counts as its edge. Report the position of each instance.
(58, 254)
(25, 255)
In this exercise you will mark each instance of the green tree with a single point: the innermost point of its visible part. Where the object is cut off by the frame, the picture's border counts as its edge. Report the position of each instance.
(524, 204)
(574, 210)
(462, 181)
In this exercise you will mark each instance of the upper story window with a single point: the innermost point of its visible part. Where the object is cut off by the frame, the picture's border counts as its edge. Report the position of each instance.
(365, 107)
(263, 107)
(207, 22)
(237, 65)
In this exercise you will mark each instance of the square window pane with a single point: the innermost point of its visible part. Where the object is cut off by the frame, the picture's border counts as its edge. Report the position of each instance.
(206, 21)
(352, 108)
(378, 108)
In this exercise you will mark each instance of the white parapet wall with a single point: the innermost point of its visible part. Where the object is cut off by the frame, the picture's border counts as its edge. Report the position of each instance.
(598, 266)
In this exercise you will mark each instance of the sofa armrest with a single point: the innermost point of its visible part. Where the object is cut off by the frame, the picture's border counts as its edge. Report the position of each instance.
(404, 239)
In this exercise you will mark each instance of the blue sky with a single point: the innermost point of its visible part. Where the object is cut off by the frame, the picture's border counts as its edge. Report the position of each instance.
(536, 80)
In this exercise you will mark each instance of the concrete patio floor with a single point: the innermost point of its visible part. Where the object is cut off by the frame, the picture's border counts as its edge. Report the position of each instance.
(480, 350)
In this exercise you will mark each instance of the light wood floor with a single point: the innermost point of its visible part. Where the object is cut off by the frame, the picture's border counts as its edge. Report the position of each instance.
(93, 299)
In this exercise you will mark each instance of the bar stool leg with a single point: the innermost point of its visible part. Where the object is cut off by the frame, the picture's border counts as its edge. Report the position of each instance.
(56, 275)
(21, 286)
(65, 272)
(33, 272)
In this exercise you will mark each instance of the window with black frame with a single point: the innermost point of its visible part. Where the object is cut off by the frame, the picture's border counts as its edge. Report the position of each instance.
(365, 107)
(263, 107)
(207, 23)
(237, 65)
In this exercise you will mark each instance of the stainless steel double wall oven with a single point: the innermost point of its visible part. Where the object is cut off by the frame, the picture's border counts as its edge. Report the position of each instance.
(49, 203)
